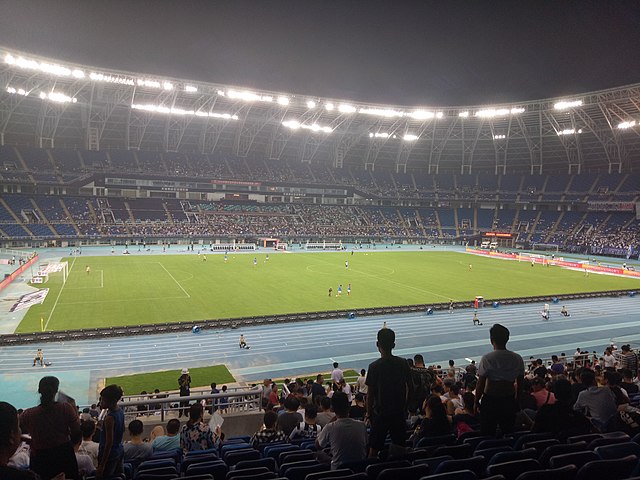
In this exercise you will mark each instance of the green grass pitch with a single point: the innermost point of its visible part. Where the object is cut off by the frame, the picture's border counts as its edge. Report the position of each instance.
(130, 290)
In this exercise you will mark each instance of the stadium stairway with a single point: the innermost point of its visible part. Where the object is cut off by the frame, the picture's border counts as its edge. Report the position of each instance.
(42, 216)
(69, 216)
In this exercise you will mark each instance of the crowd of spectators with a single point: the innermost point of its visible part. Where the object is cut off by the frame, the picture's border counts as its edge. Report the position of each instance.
(397, 398)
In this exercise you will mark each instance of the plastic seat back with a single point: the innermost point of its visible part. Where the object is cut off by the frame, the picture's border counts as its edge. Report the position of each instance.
(615, 469)
(576, 458)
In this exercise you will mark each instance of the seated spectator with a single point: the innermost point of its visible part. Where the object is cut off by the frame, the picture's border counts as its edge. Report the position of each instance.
(598, 403)
(436, 421)
(88, 446)
(85, 463)
(135, 450)
(9, 442)
(358, 411)
(269, 433)
(195, 434)
(346, 388)
(94, 412)
(455, 401)
(309, 428)
(273, 396)
(613, 380)
(466, 415)
(325, 415)
(317, 389)
(627, 382)
(346, 437)
(170, 441)
(158, 431)
(560, 418)
(541, 394)
(539, 370)
(290, 418)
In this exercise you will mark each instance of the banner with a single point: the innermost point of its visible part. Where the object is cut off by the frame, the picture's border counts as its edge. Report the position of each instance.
(606, 206)
(30, 299)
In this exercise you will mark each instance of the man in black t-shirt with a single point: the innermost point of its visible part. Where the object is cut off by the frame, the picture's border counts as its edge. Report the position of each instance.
(317, 389)
(389, 387)
(421, 378)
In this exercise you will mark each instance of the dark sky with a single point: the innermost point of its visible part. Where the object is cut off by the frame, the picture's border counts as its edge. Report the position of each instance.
(401, 52)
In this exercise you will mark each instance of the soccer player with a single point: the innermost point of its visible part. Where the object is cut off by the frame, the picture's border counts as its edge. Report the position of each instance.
(266, 258)
(346, 264)
(330, 291)
(348, 289)
(88, 270)
(255, 261)
(204, 257)
(476, 320)
(225, 258)
(470, 267)
(340, 290)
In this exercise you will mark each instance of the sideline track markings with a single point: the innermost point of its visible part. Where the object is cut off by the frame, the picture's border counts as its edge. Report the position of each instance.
(59, 293)
(174, 279)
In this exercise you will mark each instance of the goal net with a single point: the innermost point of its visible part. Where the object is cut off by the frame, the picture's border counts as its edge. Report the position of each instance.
(323, 246)
(45, 269)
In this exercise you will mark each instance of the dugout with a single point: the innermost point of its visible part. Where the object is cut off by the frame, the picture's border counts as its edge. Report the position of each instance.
(268, 242)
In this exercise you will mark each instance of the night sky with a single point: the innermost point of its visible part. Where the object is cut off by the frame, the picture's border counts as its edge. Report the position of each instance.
(388, 52)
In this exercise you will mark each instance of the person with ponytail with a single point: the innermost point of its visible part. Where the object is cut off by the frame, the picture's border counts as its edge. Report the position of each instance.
(111, 451)
(51, 425)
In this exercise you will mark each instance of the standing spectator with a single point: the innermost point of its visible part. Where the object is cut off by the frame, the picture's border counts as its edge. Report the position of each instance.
(269, 433)
(184, 382)
(557, 368)
(9, 443)
(629, 360)
(290, 418)
(346, 437)
(135, 450)
(110, 451)
(195, 434)
(389, 384)
(501, 373)
(273, 397)
(317, 389)
(214, 401)
(336, 374)
(50, 425)
(421, 378)
(170, 441)
(223, 401)
(94, 412)
(609, 360)
(361, 382)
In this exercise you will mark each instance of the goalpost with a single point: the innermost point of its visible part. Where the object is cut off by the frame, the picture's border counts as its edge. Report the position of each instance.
(45, 269)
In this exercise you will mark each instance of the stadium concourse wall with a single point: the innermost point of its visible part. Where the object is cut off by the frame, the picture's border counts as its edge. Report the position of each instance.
(558, 262)
(233, 323)
(10, 278)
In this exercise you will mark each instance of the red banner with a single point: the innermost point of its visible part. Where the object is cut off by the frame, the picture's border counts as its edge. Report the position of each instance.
(17, 273)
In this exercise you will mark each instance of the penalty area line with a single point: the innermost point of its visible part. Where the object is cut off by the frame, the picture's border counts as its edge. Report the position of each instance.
(174, 279)
(59, 293)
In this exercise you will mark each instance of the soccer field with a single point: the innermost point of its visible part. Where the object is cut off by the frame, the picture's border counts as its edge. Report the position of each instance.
(132, 290)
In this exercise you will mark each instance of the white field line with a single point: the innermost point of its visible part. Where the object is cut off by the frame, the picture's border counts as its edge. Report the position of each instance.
(59, 293)
(173, 278)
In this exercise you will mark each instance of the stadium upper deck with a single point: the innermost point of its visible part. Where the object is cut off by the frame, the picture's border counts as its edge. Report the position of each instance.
(46, 104)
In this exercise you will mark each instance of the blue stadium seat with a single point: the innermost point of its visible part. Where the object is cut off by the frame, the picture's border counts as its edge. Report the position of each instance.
(567, 472)
(511, 470)
(300, 473)
(233, 457)
(339, 473)
(433, 462)
(488, 453)
(576, 458)
(617, 469)
(269, 463)
(459, 475)
(247, 472)
(475, 464)
(502, 457)
(372, 471)
(456, 451)
(619, 450)
(440, 440)
(287, 466)
(295, 456)
(561, 449)
(217, 469)
(413, 472)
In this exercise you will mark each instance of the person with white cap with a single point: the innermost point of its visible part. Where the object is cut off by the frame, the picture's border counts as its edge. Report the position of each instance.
(184, 382)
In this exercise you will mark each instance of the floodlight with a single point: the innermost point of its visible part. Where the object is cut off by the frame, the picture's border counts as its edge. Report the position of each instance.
(464, 114)
(292, 124)
(499, 137)
(221, 93)
(410, 137)
(381, 112)
(329, 106)
(248, 96)
(11, 90)
(283, 100)
(625, 125)
(379, 135)
(190, 88)
(498, 112)
(78, 73)
(569, 131)
(311, 104)
(181, 111)
(22, 92)
(439, 115)
(345, 108)
(100, 77)
(422, 114)
(295, 125)
(57, 97)
(148, 83)
(43, 95)
(167, 86)
(517, 110)
(564, 104)
(10, 59)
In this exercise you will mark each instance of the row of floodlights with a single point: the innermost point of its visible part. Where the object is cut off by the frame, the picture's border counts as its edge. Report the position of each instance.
(248, 96)
(53, 96)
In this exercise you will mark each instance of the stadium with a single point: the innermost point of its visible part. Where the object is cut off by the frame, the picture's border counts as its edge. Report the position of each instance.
(148, 221)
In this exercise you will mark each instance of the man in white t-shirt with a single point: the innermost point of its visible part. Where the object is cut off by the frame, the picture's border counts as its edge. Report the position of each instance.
(361, 382)
(609, 360)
